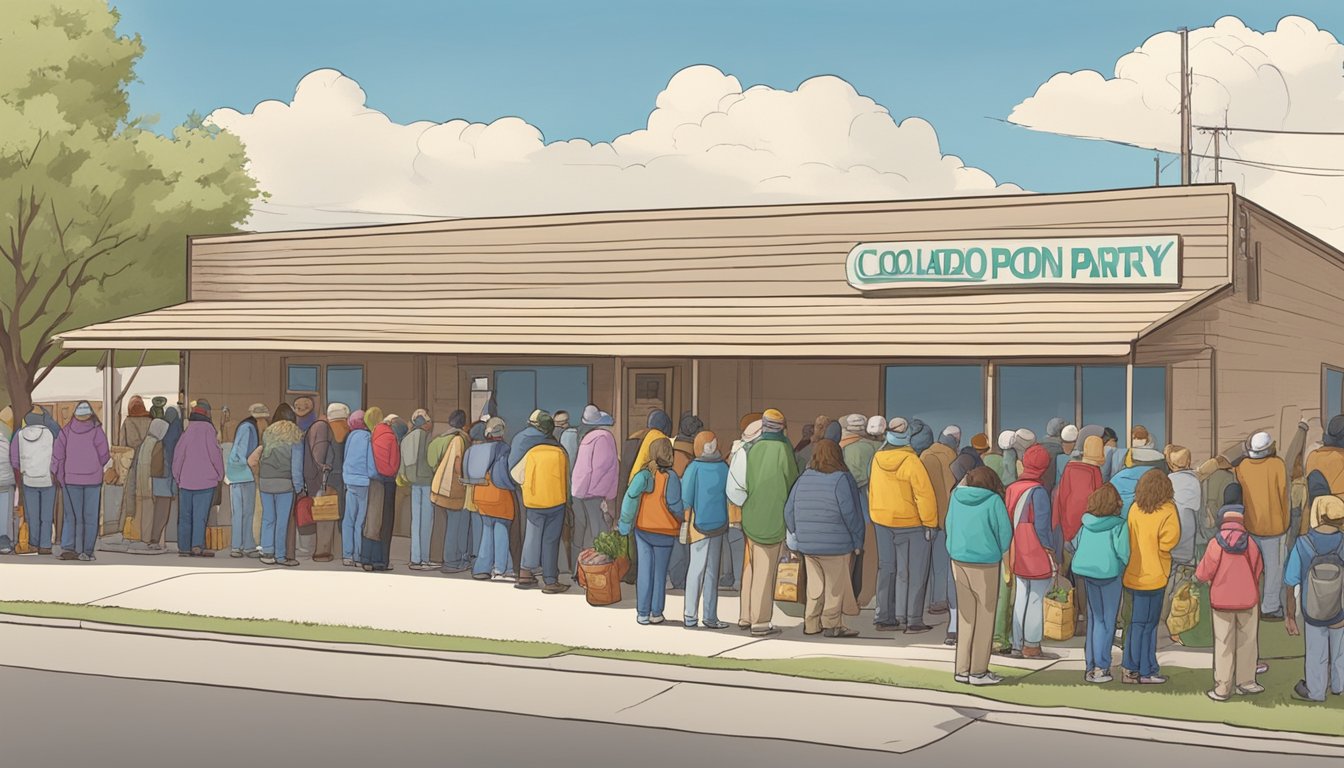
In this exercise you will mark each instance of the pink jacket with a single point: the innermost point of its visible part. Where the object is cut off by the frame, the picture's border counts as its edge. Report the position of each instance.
(1232, 566)
(596, 468)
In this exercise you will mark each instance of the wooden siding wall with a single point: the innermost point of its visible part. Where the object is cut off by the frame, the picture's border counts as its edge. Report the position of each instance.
(761, 252)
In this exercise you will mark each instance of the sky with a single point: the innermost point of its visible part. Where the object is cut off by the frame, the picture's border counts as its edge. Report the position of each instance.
(592, 70)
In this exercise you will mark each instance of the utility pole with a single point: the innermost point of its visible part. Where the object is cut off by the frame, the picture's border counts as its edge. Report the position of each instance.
(1185, 106)
(1217, 164)
(1157, 171)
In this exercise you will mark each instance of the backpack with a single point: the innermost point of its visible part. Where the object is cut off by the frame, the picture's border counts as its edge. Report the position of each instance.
(476, 463)
(1323, 589)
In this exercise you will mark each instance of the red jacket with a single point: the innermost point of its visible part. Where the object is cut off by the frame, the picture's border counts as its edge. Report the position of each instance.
(1030, 557)
(1232, 566)
(386, 451)
(1078, 483)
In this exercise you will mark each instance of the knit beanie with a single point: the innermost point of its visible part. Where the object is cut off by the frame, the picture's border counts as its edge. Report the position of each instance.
(855, 424)
(1232, 495)
(494, 427)
(877, 425)
(1006, 439)
(706, 445)
(355, 420)
(1178, 458)
(980, 442)
(772, 420)
(1055, 427)
(660, 421)
(477, 432)
(338, 411)
(1260, 446)
(753, 432)
(1023, 439)
(1069, 434)
(690, 425)
(832, 432)
(1334, 432)
(545, 423)
(457, 419)
(921, 436)
(421, 417)
(898, 432)
(1094, 451)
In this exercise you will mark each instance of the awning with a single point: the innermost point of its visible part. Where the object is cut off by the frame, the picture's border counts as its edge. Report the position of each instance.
(1047, 324)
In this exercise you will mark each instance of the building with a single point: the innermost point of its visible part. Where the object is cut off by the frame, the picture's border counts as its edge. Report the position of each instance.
(1190, 310)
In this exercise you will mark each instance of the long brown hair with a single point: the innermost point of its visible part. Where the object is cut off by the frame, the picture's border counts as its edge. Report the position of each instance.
(826, 457)
(1104, 502)
(660, 455)
(1153, 491)
(984, 477)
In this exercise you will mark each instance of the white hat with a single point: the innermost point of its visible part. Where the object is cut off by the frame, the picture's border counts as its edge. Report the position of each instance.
(1006, 439)
(1069, 434)
(953, 431)
(1259, 445)
(877, 425)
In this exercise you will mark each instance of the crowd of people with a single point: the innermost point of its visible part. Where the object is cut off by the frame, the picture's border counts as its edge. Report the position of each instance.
(873, 508)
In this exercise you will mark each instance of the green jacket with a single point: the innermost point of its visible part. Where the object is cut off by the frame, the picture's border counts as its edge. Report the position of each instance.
(771, 472)
(437, 447)
(859, 458)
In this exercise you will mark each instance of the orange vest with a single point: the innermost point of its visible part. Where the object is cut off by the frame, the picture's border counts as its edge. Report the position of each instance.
(654, 516)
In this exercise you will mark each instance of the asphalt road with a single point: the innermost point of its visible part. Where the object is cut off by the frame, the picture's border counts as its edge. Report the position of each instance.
(57, 719)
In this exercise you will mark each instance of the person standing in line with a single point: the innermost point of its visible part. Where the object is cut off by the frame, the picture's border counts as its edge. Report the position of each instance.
(542, 474)
(904, 509)
(1232, 567)
(993, 455)
(970, 457)
(858, 452)
(1323, 545)
(1329, 461)
(338, 421)
(198, 468)
(279, 463)
(653, 509)
(734, 562)
(683, 450)
(1126, 481)
(705, 492)
(635, 455)
(134, 428)
(596, 474)
(978, 537)
(1112, 442)
(1100, 554)
(1154, 531)
(320, 459)
(1120, 458)
(165, 488)
(1263, 477)
(938, 459)
(9, 521)
(450, 492)
(486, 468)
(357, 469)
(567, 434)
(1034, 552)
(304, 412)
(242, 481)
(78, 458)
(1189, 498)
(761, 489)
(824, 519)
(30, 455)
(1009, 459)
(1053, 443)
(386, 462)
(1081, 478)
(438, 529)
(416, 472)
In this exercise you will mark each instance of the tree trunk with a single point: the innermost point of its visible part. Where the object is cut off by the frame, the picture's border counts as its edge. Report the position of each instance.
(20, 393)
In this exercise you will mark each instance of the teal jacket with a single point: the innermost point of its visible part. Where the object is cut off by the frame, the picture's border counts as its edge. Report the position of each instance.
(1101, 547)
(978, 529)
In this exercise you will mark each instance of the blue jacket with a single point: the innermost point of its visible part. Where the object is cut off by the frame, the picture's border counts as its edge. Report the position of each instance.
(823, 514)
(705, 489)
(1101, 548)
(978, 528)
(358, 466)
(1125, 482)
(236, 469)
(642, 484)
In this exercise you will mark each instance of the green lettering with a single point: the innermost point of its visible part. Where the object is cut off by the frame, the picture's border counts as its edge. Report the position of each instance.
(1159, 254)
(1109, 258)
(1002, 259)
(1082, 260)
(1052, 263)
(1133, 261)
(1027, 263)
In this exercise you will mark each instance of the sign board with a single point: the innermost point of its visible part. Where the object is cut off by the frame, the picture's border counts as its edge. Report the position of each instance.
(1148, 261)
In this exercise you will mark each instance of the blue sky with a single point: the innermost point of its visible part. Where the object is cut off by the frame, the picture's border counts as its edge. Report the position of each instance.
(592, 70)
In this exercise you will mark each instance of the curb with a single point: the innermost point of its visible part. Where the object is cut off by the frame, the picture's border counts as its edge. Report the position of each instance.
(1190, 733)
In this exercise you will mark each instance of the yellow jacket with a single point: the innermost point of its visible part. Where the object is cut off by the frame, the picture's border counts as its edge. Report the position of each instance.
(642, 457)
(545, 478)
(1264, 489)
(1152, 536)
(900, 494)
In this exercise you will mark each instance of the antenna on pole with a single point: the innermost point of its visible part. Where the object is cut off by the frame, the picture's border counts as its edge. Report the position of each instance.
(1185, 106)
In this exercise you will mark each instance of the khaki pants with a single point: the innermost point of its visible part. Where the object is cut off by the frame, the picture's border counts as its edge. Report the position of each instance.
(977, 596)
(829, 588)
(868, 585)
(1235, 648)
(758, 584)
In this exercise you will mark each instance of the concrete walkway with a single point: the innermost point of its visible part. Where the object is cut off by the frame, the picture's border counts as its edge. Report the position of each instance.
(456, 605)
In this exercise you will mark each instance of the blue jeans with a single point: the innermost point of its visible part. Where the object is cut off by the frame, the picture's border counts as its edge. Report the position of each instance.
(80, 531)
(193, 511)
(679, 563)
(422, 523)
(457, 540)
(493, 556)
(275, 511)
(38, 505)
(1141, 634)
(941, 589)
(1029, 612)
(243, 505)
(477, 532)
(902, 574)
(654, 550)
(9, 525)
(541, 542)
(1103, 605)
(734, 552)
(352, 525)
(701, 579)
(1323, 665)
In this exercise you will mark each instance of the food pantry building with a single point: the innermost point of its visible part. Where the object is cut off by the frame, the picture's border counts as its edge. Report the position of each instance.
(1189, 310)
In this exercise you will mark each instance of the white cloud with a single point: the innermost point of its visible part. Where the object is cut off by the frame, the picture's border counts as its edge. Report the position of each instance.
(327, 158)
(1290, 78)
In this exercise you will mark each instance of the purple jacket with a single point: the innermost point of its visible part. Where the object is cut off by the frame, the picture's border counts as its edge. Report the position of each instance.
(198, 461)
(80, 454)
(596, 468)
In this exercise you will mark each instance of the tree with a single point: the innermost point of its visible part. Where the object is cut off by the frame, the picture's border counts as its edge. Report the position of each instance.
(94, 206)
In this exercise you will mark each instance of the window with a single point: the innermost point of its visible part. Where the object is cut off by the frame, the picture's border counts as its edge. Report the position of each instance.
(1332, 394)
(1150, 402)
(345, 384)
(938, 395)
(302, 379)
(1104, 396)
(1031, 395)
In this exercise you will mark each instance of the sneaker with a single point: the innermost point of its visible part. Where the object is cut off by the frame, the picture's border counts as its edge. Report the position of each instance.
(68, 555)
(767, 632)
(950, 641)
(1098, 677)
(432, 565)
(1261, 668)
(558, 588)
(44, 550)
(655, 619)
(267, 560)
(690, 623)
(1036, 654)
(455, 569)
(85, 558)
(29, 553)
(894, 626)
(917, 629)
(481, 576)
(255, 554)
(290, 563)
(744, 627)
(716, 624)
(842, 632)
(1300, 691)
(963, 679)
(236, 553)
(643, 621)
(989, 678)
(1152, 680)
(417, 566)
(1250, 689)
(347, 562)
(1216, 696)
(1129, 678)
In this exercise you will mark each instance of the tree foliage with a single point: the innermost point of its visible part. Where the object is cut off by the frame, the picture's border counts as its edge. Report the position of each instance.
(94, 207)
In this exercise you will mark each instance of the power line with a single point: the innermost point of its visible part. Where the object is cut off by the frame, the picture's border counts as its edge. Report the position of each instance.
(1302, 170)
(1282, 131)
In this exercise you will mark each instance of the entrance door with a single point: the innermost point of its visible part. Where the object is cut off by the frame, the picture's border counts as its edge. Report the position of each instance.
(648, 389)
(520, 391)
(516, 397)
